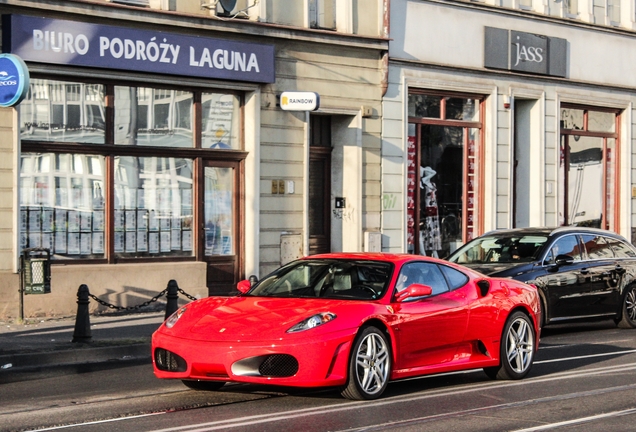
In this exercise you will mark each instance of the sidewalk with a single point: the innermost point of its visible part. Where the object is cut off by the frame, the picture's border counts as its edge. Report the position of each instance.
(47, 342)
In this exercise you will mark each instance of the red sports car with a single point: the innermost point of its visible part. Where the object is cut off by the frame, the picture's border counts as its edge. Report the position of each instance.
(355, 321)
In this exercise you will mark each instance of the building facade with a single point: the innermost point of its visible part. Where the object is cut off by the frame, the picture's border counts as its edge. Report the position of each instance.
(152, 146)
(506, 114)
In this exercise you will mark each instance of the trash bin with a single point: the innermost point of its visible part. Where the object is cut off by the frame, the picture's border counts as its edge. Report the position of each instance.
(36, 271)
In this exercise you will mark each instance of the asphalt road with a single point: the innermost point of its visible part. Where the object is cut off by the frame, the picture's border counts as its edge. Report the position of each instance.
(584, 378)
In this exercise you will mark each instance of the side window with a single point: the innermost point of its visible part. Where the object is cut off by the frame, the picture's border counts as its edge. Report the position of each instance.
(597, 247)
(422, 273)
(568, 245)
(455, 278)
(621, 249)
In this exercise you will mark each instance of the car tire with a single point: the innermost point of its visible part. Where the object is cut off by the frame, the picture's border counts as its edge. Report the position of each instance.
(628, 316)
(203, 385)
(517, 349)
(369, 365)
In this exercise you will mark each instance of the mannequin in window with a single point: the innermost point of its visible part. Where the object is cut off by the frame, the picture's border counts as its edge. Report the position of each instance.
(430, 237)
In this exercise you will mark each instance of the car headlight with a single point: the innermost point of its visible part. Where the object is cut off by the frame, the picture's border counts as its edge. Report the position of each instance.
(172, 319)
(313, 321)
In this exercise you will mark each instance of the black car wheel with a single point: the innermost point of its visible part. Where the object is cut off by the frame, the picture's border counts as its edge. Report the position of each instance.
(517, 349)
(369, 365)
(203, 385)
(628, 319)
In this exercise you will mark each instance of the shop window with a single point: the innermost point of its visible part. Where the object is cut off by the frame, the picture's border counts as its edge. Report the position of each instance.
(63, 112)
(219, 225)
(153, 207)
(220, 121)
(588, 167)
(62, 204)
(153, 117)
(443, 150)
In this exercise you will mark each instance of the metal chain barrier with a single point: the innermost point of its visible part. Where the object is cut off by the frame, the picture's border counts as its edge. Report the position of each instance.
(139, 306)
(187, 295)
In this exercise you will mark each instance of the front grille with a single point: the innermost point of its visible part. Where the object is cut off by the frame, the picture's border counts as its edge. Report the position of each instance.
(279, 365)
(169, 361)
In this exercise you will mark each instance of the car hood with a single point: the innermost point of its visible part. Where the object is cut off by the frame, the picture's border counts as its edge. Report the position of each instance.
(258, 318)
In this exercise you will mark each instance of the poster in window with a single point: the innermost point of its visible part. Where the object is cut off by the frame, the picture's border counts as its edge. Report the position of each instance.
(119, 220)
(227, 243)
(61, 197)
(131, 220)
(164, 221)
(73, 221)
(130, 195)
(76, 197)
(73, 243)
(98, 221)
(60, 222)
(141, 199)
(186, 197)
(162, 199)
(24, 240)
(186, 222)
(98, 242)
(60, 242)
(119, 242)
(175, 238)
(35, 240)
(131, 241)
(85, 221)
(165, 241)
(153, 222)
(153, 242)
(24, 217)
(47, 220)
(142, 241)
(142, 220)
(85, 243)
(176, 221)
(35, 220)
(47, 240)
(186, 240)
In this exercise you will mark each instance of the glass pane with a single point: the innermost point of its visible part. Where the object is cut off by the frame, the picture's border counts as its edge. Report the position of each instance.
(424, 106)
(153, 117)
(610, 184)
(601, 121)
(218, 211)
(63, 112)
(62, 204)
(441, 188)
(585, 181)
(571, 119)
(220, 121)
(596, 247)
(462, 109)
(153, 207)
(411, 174)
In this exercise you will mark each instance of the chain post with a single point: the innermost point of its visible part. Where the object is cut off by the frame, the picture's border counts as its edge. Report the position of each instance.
(173, 298)
(82, 331)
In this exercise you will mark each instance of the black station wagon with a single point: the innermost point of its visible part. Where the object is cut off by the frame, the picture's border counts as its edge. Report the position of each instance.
(581, 273)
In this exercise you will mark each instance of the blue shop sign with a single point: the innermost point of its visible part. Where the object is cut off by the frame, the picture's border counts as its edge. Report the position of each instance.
(14, 80)
(74, 43)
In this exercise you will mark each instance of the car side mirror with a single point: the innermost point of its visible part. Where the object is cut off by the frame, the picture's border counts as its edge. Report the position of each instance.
(244, 286)
(564, 260)
(414, 290)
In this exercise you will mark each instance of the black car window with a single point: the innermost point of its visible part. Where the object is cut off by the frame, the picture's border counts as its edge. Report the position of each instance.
(621, 249)
(456, 279)
(597, 247)
(422, 273)
(566, 245)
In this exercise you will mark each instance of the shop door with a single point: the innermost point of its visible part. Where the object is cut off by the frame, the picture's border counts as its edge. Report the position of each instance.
(220, 245)
(319, 210)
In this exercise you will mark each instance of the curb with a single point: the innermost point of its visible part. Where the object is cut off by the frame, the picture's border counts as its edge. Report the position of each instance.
(74, 356)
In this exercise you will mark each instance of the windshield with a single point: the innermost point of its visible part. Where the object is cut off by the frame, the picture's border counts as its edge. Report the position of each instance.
(334, 279)
(500, 249)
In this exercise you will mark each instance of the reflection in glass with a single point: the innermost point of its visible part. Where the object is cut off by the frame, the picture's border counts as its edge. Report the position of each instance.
(424, 106)
(62, 204)
(585, 182)
(153, 206)
(571, 118)
(153, 117)
(63, 112)
(220, 121)
(462, 109)
(601, 121)
(218, 216)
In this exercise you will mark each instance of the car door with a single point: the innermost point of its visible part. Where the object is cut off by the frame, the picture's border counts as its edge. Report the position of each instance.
(564, 279)
(429, 329)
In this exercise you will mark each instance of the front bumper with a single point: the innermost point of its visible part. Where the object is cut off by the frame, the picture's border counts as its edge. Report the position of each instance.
(319, 362)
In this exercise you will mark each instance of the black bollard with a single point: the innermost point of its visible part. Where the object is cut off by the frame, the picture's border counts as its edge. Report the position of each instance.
(82, 331)
(173, 298)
